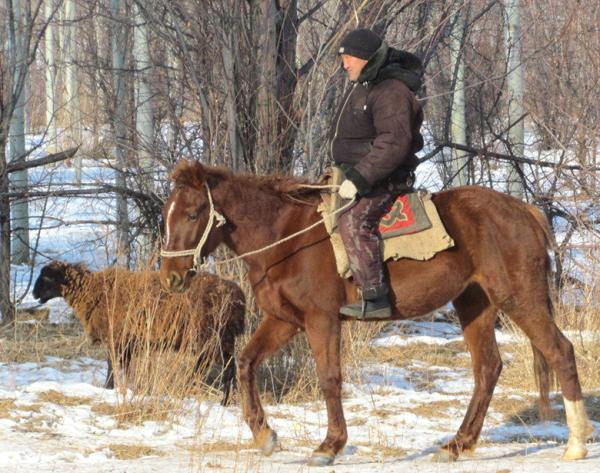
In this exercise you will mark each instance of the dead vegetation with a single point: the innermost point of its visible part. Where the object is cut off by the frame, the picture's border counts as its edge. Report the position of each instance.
(131, 452)
(33, 341)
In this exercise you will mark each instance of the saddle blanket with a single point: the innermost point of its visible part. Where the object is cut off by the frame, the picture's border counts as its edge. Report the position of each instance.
(411, 229)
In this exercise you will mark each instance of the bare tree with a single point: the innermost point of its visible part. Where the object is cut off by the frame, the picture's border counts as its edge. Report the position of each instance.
(13, 73)
(516, 128)
(118, 47)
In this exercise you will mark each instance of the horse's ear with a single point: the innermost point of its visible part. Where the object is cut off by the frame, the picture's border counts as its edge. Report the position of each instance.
(202, 174)
(212, 180)
(197, 174)
(190, 173)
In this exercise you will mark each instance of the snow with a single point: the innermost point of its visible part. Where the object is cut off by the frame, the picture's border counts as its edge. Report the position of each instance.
(384, 433)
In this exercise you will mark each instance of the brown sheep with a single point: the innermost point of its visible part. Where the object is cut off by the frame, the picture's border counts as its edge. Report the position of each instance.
(115, 306)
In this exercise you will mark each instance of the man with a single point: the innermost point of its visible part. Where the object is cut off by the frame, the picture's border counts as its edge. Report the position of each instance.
(375, 136)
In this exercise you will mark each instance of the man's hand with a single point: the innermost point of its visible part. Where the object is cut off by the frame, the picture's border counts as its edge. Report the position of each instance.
(347, 190)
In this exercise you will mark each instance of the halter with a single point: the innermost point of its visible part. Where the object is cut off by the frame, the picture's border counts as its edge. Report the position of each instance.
(195, 252)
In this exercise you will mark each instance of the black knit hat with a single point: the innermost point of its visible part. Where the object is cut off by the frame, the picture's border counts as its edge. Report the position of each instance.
(361, 43)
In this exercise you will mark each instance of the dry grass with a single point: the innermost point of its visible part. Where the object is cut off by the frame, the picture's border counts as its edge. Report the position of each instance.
(131, 452)
(56, 397)
(38, 423)
(33, 342)
(6, 406)
(380, 448)
(453, 354)
(130, 413)
(437, 409)
(35, 407)
(218, 446)
(520, 409)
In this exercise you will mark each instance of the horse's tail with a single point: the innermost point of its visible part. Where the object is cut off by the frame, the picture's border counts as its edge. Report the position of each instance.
(544, 376)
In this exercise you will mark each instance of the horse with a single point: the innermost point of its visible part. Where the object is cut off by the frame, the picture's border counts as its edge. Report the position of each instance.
(500, 261)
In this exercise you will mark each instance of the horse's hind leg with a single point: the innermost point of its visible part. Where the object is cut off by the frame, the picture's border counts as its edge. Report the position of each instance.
(477, 318)
(270, 335)
(535, 319)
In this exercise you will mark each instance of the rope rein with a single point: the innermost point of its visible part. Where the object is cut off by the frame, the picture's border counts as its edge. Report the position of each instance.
(215, 215)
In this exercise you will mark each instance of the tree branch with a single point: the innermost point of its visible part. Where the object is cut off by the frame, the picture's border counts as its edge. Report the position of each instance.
(505, 157)
(49, 159)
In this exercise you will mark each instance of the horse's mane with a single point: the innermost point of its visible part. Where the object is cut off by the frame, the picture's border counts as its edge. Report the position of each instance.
(194, 174)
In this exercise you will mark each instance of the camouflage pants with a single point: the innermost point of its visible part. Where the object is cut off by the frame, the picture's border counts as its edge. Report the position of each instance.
(360, 234)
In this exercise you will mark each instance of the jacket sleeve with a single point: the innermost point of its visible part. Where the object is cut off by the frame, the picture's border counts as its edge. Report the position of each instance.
(393, 114)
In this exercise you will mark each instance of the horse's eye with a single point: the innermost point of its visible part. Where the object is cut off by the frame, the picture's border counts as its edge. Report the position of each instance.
(192, 217)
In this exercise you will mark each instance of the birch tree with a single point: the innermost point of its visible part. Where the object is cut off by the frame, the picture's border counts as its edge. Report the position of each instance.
(73, 106)
(50, 50)
(20, 209)
(144, 123)
(23, 18)
(459, 172)
(118, 43)
(516, 131)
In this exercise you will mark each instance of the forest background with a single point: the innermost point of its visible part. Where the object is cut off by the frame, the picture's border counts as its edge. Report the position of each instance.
(510, 101)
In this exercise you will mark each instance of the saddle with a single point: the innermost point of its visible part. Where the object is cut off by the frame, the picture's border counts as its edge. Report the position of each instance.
(411, 228)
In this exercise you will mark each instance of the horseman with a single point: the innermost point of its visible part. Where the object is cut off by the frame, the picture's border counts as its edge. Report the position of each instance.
(374, 140)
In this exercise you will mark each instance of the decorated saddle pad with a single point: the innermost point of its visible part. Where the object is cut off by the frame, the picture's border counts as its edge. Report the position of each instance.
(411, 229)
(406, 215)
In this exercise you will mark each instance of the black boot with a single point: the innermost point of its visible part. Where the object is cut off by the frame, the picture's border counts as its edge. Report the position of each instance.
(375, 305)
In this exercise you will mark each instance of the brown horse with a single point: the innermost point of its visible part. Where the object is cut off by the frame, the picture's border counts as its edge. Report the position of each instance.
(500, 262)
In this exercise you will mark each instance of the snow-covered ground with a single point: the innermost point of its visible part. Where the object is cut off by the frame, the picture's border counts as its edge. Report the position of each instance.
(39, 433)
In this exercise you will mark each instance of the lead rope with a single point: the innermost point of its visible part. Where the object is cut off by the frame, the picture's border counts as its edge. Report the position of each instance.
(215, 215)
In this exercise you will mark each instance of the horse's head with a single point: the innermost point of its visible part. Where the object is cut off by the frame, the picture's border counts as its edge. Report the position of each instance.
(191, 225)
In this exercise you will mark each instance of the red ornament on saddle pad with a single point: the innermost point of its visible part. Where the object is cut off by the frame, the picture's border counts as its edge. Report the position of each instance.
(405, 215)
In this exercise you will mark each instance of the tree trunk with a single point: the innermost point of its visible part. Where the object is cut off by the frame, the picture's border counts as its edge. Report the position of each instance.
(51, 41)
(20, 209)
(7, 308)
(516, 132)
(73, 124)
(228, 53)
(287, 126)
(120, 129)
(459, 173)
(144, 123)
(275, 115)
(265, 105)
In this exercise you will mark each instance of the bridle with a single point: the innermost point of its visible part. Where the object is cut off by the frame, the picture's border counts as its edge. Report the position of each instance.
(213, 216)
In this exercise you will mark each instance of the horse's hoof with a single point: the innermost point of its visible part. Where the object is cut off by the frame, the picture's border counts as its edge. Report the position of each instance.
(320, 459)
(575, 452)
(443, 456)
(267, 442)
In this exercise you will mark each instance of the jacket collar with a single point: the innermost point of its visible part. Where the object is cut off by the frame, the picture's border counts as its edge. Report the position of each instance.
(390, 63)
(371, 69)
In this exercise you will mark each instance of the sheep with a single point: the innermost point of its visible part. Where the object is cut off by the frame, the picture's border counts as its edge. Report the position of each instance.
(116, 305)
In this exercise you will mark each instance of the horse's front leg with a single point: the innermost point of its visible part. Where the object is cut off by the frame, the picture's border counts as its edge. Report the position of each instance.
(324, 336)
(270, 335)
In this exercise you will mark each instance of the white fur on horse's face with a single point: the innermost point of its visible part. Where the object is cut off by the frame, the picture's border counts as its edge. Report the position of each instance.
(580, 429)
(168, 225)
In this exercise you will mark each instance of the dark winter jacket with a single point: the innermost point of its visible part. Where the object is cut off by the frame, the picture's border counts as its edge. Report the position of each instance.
(376, 132)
